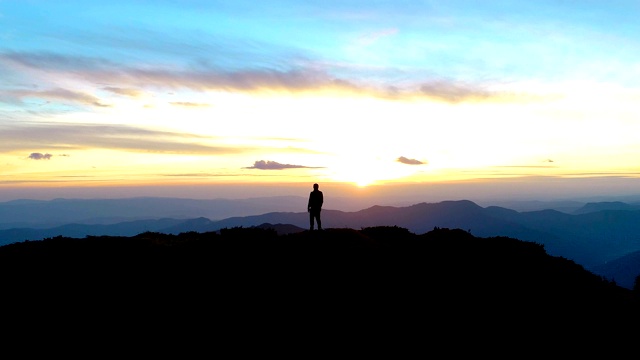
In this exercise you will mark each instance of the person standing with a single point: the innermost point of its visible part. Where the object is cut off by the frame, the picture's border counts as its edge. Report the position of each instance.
(314, 206)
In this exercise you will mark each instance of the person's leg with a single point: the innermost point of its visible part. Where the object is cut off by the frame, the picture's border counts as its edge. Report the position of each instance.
(319, 221)
(310, 220)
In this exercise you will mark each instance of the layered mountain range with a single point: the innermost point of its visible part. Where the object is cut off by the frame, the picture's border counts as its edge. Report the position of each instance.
(603, 237)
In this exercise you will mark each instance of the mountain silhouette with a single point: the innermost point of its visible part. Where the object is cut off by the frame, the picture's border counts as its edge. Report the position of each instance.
(623, 271)
(52, 213)
(384, 283)
(605, 205)
(591, 238)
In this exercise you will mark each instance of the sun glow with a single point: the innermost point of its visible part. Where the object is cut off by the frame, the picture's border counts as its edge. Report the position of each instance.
(362, 180)
(362, 171)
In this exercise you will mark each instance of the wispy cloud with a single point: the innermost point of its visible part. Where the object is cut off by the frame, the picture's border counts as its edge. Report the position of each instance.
(273, 165)
(51, 61)
(188, 104)
(68, 95)
(56, 94)
(123, 91)
(408, 161)
(116, 137)
(453, 91)
(245, 80)
(296, 76)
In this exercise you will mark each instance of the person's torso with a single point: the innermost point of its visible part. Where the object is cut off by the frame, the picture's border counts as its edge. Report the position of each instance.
(315, 198)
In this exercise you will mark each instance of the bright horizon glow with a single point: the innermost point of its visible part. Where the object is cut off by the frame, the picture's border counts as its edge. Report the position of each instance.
(384, 95)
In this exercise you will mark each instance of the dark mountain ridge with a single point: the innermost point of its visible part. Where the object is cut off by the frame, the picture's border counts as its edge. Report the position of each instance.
(591, 239)
(381, 275)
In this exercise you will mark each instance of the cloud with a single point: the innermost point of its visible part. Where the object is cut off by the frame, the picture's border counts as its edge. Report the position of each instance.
(59, 94)
(408, 161)
(202, 77)
(453, 91)
(40, 156)
(50, 61)
(123, 91)
(248, 80)
(293, 75)
(302, 79)
(66, 136)
(272, 165)
(188, 104)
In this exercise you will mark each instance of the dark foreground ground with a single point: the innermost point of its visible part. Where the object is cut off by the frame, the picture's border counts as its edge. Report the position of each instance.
(251, 289)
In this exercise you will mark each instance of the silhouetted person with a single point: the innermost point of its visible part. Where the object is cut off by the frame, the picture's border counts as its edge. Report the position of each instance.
(314, 206)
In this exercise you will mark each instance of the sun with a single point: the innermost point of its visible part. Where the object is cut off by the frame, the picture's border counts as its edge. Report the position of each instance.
(366, 173)
(364, 182)
(359, 180)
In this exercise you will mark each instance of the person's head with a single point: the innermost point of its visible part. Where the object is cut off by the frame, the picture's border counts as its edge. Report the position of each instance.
(315, 186)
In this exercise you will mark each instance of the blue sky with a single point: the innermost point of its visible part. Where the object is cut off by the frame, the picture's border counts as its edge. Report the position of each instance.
(369, 93)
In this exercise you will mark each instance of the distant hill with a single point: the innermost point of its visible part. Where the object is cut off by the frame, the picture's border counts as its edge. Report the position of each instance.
(57, 212)
(380, 281)
(605, 205)
(623, 270)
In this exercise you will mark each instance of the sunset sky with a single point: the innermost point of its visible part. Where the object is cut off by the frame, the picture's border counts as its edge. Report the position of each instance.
(279, 94)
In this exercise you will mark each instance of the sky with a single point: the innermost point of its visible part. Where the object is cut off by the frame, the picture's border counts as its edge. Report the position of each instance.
(246, 98)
